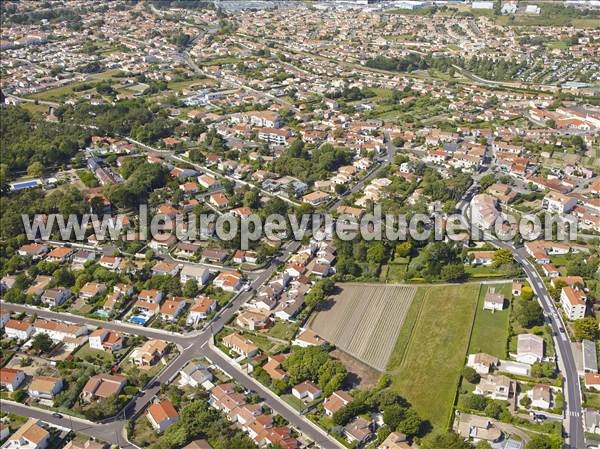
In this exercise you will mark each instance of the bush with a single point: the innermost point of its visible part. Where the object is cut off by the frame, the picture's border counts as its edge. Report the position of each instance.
(471, 375)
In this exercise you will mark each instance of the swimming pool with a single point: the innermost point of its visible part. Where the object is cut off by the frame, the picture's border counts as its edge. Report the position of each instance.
(137, 320)
(25, 184)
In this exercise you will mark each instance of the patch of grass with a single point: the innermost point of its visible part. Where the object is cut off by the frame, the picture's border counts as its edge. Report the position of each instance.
(490, 330)
(433, 354)
(86, 353)
(283, 330)
(480, 271)
(220, 61)
(592, 400)
(293, 401)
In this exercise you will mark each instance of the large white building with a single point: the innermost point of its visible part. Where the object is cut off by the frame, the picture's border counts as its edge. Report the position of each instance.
(572, 301)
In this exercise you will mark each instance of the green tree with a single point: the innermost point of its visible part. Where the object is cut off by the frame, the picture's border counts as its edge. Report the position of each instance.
(35, 169)
(502, 257)
(529, 314)
(544, 442)
(445, 440)
(586, 328)
(42, 343)
(454, 272)
(471, 375)
(190, 288)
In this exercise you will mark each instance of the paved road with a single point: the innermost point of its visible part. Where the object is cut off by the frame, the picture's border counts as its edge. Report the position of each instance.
(573, 412)
(192, 346)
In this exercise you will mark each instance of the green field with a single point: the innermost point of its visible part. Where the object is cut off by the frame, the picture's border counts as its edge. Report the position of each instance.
(490, 330)
(430, 351)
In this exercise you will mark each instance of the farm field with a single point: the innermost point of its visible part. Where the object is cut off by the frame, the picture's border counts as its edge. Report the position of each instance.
(429, 355)
(365, 320)
(490, 330)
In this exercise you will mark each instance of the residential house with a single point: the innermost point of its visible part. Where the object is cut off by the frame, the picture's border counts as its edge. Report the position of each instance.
(54, 297)
(273, 367)
(307, 391)
(105, 340)
(151, 296)
(44, 387)
(59, 331)
(163, 268)
(103, 386)
(172, 308)
(149, 353)
(33, 250)
(573, 302)
(199, 274)
(39, 285)
(162, 415)
(495, 387)
(337, 401)
(29, 436)
(484, 258)
(307, 337)
(110, 262)
(358, 430)
(482, 363)
(20, 330)
(253, 320)
(395, 440)
(240, 345)
(59, 254)
(558, 202)
(493, 300)
(541, 396)
(195, 374)
(203, 306)
(11, 378)
(228, 281)
(91, 290)
(592, 381)
(530, 348)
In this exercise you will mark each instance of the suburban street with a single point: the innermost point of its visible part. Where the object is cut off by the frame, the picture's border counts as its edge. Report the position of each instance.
(573, 411)
(192, 346)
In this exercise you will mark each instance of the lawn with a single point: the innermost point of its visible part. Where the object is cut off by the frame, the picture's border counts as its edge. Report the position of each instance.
(86, 353)
(480, 271)
(431, 348)
(592, 400)
(283, 330)
(490, 330)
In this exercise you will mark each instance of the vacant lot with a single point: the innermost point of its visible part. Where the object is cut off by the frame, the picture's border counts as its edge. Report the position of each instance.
(490, 330)
(430, 351)
(364, 320)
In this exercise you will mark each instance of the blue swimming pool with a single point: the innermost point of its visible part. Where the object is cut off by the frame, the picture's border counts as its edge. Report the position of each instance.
(25, 184)
(137, 320)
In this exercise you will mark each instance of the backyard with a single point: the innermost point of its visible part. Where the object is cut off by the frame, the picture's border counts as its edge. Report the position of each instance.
(490, 330)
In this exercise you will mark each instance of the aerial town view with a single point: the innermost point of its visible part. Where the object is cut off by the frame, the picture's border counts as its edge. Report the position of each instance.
(325, 224)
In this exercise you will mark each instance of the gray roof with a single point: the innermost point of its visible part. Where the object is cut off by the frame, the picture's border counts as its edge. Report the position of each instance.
(512, 444)
(590, 360)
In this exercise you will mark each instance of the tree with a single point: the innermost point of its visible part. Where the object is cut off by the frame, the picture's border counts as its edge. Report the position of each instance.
(483, 445)
(474, 402)
(42, 343)
(493, 410)
(411, 425)
(544, 442)
(502, 257)
(393, 415)
(35, 169)
(445, 440)
(586, 328)
(529, 314)
(525, 401)
(487, 180)
(543, 369)
(398, 141)
(454, 272)
(471, 375)
(190, 288)
(527, 293)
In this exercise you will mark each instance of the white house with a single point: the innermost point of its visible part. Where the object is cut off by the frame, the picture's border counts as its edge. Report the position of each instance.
(19, 330)
(307, 391)
(162, 415)
(573, 302)
(199, 274)
(530, 348)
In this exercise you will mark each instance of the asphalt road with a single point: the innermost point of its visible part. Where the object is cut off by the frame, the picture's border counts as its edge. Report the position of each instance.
(192, 346)
(573, 412)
